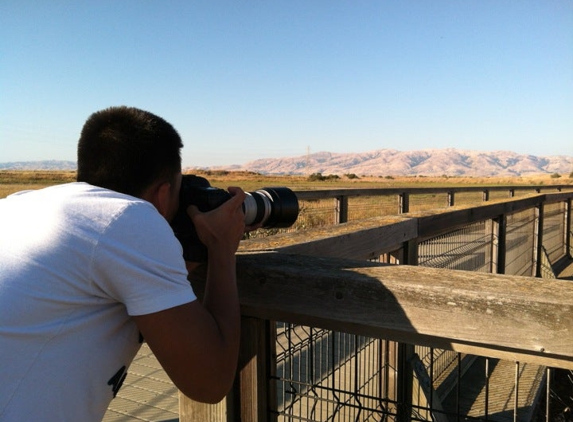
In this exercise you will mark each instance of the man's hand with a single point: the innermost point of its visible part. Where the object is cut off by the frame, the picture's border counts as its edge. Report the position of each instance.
(221, 229)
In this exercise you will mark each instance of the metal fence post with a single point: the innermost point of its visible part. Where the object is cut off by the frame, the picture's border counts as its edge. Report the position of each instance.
(405, 381)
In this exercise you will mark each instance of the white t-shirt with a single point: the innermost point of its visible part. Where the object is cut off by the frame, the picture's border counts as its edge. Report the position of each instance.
(75, 262)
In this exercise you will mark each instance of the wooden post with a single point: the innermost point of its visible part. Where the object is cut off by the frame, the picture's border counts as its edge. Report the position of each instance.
(340, 209)
(568, 228)
(252, 393)
(248, 401)
(193, 411)
(451, 198)
(491, 248)
(538, 240)
(565, 233)
(485, 195)
(404, 206)
(500, 225)
(405, 352)
(410, 252)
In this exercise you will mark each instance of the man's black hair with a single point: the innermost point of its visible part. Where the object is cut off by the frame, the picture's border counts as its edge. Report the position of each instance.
(126, 149)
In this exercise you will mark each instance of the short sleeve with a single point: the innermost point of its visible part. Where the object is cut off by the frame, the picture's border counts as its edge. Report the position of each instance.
(138, 261)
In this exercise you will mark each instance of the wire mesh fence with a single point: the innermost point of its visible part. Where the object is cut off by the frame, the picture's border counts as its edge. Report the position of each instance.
(554, 234)
(324, 375)
(462, 249)
(520, 243)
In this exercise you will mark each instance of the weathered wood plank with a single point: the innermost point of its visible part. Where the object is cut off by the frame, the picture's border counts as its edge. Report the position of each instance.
(490, 315)
(361, 239)
(192, 411)
(557, 197)
(252, 389)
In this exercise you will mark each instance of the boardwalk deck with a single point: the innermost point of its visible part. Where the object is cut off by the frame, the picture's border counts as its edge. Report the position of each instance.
(147, 393)
(565, 270)
(498, 401)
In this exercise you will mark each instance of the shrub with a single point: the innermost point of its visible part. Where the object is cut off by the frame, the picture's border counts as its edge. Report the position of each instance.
(318, 177)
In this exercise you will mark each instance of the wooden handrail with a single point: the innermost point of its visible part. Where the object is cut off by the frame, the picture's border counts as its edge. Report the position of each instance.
(499, 316)
(350, 192)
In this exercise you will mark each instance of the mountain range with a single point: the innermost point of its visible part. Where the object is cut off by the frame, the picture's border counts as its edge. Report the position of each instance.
(383, 162)
(428, 162)
(39, 165)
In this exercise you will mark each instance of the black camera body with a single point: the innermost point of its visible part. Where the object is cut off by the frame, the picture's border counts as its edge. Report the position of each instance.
(270, 207)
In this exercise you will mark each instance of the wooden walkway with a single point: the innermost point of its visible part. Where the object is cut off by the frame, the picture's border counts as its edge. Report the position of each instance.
(147, 393)
(499, 399)
(565, 270)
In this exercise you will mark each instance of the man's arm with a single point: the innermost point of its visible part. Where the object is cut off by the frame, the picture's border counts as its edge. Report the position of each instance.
(197, 343)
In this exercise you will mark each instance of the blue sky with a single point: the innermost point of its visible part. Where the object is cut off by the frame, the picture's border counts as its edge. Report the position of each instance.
(249, 79)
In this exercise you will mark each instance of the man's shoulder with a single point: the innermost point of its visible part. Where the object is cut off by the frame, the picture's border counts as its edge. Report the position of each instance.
(70, 190)
(81, 192)
(94, 206)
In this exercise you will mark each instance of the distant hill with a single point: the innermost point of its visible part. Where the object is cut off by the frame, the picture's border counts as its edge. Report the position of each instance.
(383, 162)
(39, 165)
(429, 162)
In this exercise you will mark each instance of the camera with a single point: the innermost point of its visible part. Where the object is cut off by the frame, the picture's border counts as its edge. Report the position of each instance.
(271, 207)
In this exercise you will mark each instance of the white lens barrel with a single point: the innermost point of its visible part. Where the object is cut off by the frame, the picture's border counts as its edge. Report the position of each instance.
(268, 206)
(250, 209)
(257, 209)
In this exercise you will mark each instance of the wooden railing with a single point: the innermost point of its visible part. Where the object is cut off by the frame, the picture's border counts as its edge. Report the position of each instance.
(320, 278)
(341, 197)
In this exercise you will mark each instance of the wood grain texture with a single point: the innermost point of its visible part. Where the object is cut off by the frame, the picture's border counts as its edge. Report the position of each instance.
(499, 316)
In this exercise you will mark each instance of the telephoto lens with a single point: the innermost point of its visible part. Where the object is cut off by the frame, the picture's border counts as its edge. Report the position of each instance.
(271, 207)
(274, 207)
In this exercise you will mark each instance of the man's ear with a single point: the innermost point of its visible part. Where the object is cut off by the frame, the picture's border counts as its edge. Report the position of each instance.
(160, 196)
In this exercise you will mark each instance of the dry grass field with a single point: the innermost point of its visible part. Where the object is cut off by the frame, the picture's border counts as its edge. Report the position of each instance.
(13, 181)
(319, 212)
(253, 180)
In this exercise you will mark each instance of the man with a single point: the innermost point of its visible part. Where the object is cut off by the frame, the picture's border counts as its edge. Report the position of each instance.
(89, 269)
